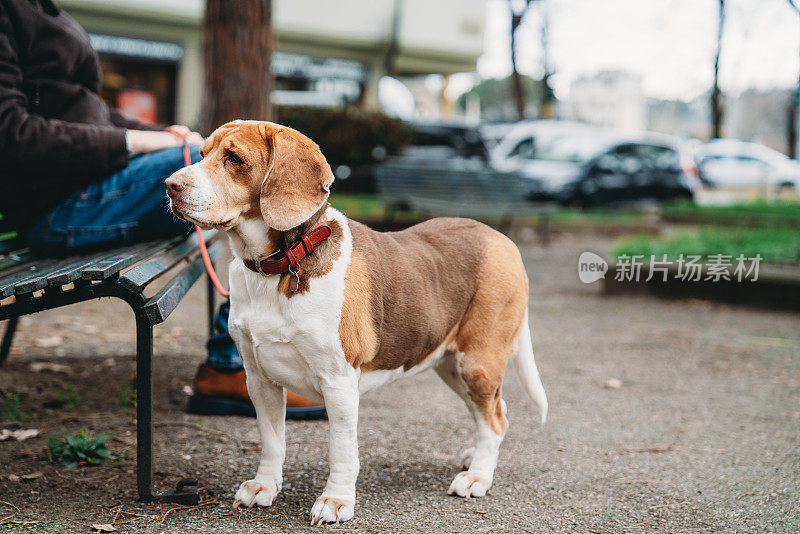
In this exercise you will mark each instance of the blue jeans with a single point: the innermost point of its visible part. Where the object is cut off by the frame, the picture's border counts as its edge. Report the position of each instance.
(127, 207)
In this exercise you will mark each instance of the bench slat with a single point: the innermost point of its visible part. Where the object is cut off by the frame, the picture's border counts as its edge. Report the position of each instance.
(162, 304)
(139, 276)
(31, 270)
(106, 267)
(39, 279)
(73, 272)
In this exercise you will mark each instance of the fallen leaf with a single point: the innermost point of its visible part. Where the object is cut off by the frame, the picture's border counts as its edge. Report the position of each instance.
(613, 383)
(19, 435)
(33, 476)
(48, 342)
(38, 367)
(13, 478)
(103, 527)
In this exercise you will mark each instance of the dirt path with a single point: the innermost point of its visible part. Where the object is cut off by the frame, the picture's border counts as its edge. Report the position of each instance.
(702, 436)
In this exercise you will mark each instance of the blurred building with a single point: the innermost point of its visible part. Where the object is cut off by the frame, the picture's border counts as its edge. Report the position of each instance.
(753, 115)
(683, 119)
(327, 53)
(612, 99)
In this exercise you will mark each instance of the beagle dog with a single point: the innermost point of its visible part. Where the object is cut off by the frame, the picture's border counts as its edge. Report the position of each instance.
(330, 309)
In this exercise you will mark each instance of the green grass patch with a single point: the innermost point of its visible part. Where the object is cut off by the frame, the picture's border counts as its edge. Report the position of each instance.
(68, 397)
(126, 395)
(11, 407)
(760, 211)
(358, 206)
(600, 216)
(775, 245)
(364, 206)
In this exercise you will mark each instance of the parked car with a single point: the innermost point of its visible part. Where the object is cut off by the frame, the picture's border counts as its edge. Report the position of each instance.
(521, 142)
(444, 141)
(729, 163)
(594, 167)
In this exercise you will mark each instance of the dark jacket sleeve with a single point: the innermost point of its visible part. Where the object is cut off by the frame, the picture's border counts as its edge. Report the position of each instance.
(118, 119)
(44, 144)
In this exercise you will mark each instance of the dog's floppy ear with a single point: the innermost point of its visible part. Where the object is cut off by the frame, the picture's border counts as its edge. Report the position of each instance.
(297, 181)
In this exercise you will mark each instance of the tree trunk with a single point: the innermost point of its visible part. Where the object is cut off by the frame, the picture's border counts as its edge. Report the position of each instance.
(238, 46)
(716, 94)
(794, 106)
(546, 98)
(516, 79)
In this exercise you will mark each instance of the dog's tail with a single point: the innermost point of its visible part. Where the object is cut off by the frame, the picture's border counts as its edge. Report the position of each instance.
(526, 369)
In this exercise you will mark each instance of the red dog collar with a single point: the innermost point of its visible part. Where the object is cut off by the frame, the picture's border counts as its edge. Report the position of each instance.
(287, 260)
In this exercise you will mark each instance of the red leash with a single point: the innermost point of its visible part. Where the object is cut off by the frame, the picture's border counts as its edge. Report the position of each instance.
(212, 274)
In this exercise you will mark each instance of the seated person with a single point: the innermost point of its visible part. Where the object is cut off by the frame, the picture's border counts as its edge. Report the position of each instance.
(76, 175)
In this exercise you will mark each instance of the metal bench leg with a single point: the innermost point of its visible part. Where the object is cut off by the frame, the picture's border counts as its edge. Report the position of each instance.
(8, 337)
(186, 491)
(210, 294)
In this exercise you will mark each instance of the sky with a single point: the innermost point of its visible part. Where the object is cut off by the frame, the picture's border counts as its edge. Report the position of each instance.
(670, 44)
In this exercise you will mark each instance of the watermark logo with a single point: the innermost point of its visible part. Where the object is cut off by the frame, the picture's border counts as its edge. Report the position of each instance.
(686, 268)
(591, 267)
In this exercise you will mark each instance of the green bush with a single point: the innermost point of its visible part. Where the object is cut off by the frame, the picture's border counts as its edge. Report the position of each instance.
(349, 136)
(75, 450)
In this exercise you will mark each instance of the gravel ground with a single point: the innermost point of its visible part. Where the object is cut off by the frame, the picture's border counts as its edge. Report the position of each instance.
(702, 435)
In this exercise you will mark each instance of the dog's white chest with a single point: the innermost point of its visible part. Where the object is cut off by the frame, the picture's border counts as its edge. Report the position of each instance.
(292, 341)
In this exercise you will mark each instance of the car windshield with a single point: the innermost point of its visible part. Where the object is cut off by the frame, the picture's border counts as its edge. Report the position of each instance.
(570, 149)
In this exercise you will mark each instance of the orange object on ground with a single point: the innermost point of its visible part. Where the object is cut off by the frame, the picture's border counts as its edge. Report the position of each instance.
(213, 383)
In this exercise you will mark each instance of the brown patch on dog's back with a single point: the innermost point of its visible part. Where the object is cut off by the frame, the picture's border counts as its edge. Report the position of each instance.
(454, 284)
(421, 284)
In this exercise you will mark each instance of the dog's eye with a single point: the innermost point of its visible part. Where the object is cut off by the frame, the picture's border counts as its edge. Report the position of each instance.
(233, 158)
(202, 155)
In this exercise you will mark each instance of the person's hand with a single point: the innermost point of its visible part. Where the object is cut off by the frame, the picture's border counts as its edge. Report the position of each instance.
(193, 138)
(144, 141)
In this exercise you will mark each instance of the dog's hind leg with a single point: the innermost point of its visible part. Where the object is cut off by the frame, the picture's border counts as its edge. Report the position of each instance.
(482, 395)
(487, 336)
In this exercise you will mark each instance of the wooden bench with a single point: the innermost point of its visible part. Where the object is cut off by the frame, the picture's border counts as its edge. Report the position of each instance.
(29, 285)
(459, 188)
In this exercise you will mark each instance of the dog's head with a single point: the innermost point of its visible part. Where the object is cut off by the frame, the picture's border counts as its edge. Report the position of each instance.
(252, 170)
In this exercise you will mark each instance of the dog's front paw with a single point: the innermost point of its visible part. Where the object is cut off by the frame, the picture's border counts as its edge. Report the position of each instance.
(332, 510)
(253, 493)
(468, 485)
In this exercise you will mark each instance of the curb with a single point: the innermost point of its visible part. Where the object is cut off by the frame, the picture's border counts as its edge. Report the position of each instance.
(777, 288)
